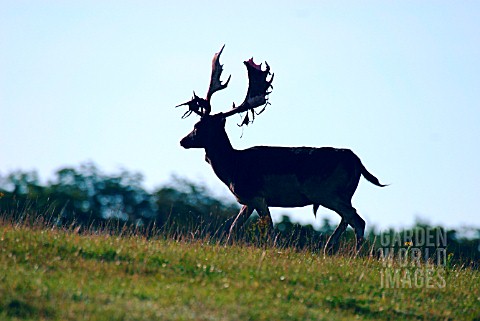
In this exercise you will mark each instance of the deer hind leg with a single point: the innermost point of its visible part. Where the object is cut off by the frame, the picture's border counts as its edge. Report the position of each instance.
(349, 215)
(356, 222)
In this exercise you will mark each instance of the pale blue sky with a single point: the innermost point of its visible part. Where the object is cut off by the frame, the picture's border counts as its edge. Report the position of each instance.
(398, 82)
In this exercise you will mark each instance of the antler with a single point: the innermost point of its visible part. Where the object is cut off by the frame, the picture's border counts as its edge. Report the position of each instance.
(215, 82)
(202, 106)
(257, 93)
(197, 105)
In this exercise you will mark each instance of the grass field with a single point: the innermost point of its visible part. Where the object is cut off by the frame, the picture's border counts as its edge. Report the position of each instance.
(55, 274)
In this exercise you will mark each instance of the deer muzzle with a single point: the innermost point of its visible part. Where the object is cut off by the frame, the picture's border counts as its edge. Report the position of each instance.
(185, 142)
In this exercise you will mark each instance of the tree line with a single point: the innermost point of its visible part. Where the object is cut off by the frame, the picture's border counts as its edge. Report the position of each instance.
(87, 198)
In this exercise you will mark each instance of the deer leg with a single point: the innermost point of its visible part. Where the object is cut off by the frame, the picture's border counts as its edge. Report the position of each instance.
(262, 209)
(358, 224)
(332, 244)
(359, 230)
(349, 215)
(240, 220)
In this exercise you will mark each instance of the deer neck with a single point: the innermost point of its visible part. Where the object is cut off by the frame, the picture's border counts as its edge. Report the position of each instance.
(220, 155)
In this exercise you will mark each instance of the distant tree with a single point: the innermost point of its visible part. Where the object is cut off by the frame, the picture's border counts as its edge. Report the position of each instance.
(82, 195)
(21, 192)
(302, 236)
(464, 249)
(87, 194)
(183, 205)
(87, 197)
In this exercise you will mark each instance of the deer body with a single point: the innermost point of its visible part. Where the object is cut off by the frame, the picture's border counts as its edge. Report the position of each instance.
(294, 177)
(264, 176)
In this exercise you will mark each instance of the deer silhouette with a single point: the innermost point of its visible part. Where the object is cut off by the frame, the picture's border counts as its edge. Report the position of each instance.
(264, 176)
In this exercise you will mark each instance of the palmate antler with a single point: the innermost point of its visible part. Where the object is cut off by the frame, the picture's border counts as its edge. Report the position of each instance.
(202, 106)
(215, 82)
(257, 93)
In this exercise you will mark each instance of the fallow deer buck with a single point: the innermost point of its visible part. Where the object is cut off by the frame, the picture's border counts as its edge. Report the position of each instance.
(265, 176)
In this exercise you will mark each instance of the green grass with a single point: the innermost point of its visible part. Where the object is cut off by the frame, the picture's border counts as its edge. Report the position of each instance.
(54, 274)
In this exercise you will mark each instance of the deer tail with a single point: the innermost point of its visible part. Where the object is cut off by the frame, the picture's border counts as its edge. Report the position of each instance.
(369, 176)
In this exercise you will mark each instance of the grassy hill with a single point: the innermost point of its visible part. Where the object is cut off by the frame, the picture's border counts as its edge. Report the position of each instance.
(55, 274)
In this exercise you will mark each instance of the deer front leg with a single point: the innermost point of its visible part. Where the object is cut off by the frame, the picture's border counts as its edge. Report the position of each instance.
(261, 207)
(265, 223)
(240, 220)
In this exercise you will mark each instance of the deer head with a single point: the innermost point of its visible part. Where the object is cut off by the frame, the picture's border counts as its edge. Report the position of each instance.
(208, 127)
